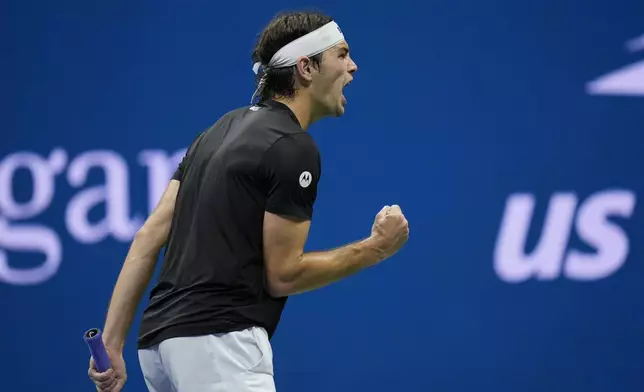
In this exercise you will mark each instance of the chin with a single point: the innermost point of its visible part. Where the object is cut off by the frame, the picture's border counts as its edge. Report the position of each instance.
(335, 110)
(339, 109)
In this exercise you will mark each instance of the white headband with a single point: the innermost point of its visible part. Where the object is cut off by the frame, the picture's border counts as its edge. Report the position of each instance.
(315, 42)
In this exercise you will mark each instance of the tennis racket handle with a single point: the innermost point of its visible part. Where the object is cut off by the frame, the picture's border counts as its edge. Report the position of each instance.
(94, 340)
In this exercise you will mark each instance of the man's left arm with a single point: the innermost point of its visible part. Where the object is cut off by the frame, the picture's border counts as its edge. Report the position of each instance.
(138, 269)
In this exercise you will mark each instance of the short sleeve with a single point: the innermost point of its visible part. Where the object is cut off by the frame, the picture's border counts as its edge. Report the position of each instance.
(178, 174)
(291, 167)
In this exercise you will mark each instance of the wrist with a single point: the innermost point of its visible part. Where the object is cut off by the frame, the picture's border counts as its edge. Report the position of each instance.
(113, 344)
(372, 248)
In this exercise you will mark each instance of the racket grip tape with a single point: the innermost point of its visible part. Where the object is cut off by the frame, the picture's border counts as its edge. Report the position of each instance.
(94, 340)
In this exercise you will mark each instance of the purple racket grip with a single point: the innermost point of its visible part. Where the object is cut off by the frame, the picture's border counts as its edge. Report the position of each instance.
(94, 340)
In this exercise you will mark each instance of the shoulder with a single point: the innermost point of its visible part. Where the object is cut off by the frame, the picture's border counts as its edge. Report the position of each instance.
(293, 147)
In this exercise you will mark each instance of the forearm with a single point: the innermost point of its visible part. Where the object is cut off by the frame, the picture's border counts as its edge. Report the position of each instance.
(318, 269)
(131, 284)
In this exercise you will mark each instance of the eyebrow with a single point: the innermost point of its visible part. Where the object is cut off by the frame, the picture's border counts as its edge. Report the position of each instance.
(343, 49)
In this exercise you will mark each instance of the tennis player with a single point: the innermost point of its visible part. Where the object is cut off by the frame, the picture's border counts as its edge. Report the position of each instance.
(234, 220)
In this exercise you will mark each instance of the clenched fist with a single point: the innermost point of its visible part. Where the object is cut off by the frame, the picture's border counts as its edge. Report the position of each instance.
(390, 231)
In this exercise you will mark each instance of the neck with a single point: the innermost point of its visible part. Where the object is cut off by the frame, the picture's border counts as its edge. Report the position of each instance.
(302, 107)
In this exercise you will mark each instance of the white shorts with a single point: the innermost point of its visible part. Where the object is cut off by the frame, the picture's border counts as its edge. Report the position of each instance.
(237, 361)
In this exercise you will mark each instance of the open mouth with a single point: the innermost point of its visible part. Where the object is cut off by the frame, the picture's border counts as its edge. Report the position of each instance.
(344, 99)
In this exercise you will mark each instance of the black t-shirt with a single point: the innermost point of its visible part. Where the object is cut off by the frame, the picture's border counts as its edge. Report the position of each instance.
(254, 159)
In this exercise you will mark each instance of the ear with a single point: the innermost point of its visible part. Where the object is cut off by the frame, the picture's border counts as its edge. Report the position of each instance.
(305, 69)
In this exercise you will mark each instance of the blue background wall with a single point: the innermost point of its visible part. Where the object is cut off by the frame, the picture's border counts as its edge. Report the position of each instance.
(472, 116)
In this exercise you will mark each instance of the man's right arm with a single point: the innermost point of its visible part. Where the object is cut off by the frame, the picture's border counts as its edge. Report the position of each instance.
(291, 170)
(291, 271)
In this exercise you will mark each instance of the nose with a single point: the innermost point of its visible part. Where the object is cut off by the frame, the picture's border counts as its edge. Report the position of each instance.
(353, 67)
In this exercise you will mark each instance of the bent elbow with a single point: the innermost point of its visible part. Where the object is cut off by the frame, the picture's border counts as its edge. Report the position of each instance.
(282, 278)
(280, 283)
(277, 288)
